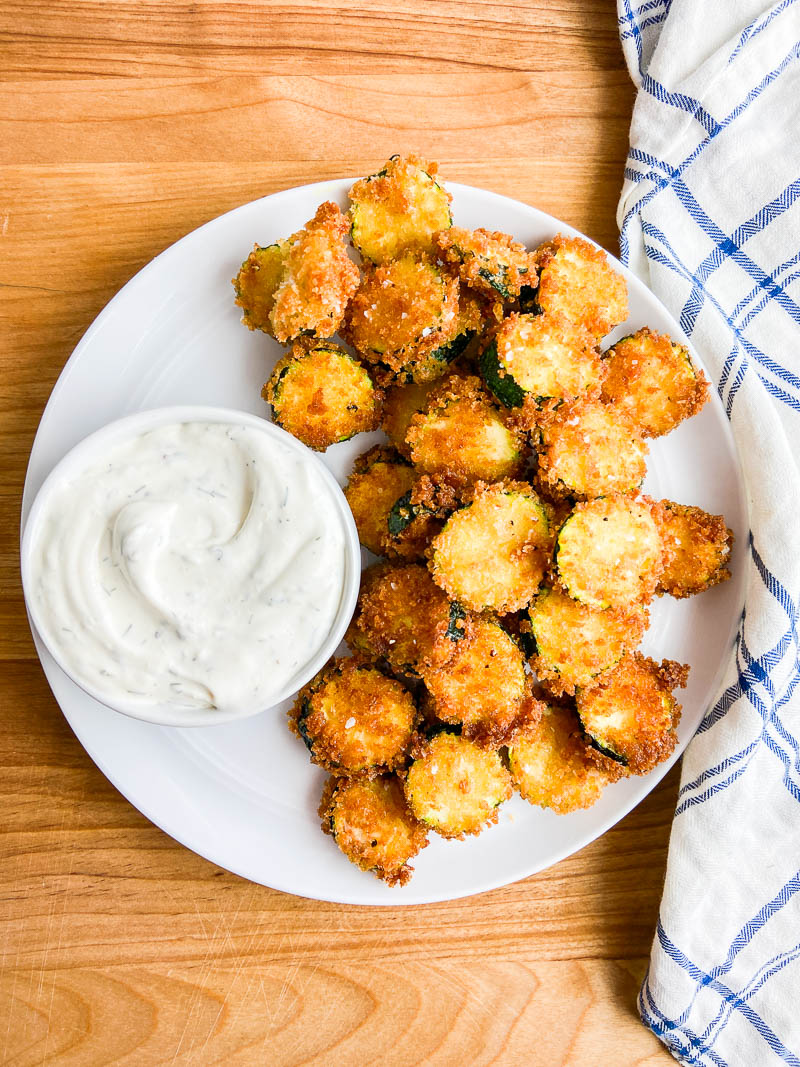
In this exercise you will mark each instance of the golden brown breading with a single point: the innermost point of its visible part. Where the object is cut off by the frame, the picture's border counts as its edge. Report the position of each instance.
(454, 786)
(589, 449)
(256, 283)
(461, 434)
(401, 404)
(373, 826)
(630, 714)
(491, 262)
(484, 687)
(380, 478)
(404, 311)
(405, 617)
(653, 380)
(577, 281)
(609, 552)
(551, 765)
(399, 209)
(317, 280)
(354, 720)
(322, 396)
(575, 643)
(697, 547)
(492, 555)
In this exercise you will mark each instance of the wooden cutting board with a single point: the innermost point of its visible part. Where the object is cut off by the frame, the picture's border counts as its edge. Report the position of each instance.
(122, 127)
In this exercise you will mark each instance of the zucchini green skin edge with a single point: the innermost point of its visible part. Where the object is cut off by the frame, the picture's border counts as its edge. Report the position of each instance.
(604, 751)
(457, 615)
(502, 385)
(529, 300)
(403, 513)
(453, 349)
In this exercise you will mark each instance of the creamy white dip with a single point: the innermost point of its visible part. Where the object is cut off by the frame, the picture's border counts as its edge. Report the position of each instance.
(200, 565)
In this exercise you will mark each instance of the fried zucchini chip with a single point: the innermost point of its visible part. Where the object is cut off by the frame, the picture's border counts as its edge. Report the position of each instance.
(405, 317)
(541, 358)
(317, 280)
(398, 210)
(354, 720)
(401, 404)
(609, 552)
(697, 547)
(463, 435)
(653, 380)
(322, 396)
(484, 687)
(417, 516)
(256, 284)
(492, 554)
(380, 478)
(403, 616)
(373, 826)
(589, 449)
(577, 281)
(493, 263)
(630, 716)
(455, 787)
(574, 643)
(551, 765)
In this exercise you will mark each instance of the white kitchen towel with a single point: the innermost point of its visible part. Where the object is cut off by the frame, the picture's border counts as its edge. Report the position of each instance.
(710, 219)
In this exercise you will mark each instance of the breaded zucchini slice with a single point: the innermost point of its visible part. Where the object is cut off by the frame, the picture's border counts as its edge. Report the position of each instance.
(577, 281)
(484, 687)
(403, 312)
(589, 449)
(317, 281)
(492, 554)
(493, 263)
(380, 478)
(371, 823)
(462, 433)
(402, 402)
(256, 283)
(551, 766)
(322, 396)
(573, 643)
(417, 516)
(630, 716)
(455, 787)
(398, 210)
(609, 554)
(652, 379)
(541, 357)
(697, 548)
(403, 616)
(353, 719)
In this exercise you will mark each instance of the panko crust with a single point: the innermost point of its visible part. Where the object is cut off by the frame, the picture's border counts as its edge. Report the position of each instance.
(373, 826)
(636, 698)
(354, 720)
(380, 478)
(403, 311)
(490, 261)
(322, 395)
(489, 556)
(454, 786)
(589, 449)
(697, 547)
(484, 687)
(576, 643)
(402, 402)
(551, 764)
(463, 435)
(654, 381)
(576, 280)
(403, 616)
(317, 280)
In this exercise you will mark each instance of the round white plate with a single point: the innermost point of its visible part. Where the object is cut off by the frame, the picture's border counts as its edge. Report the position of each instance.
(244, 794)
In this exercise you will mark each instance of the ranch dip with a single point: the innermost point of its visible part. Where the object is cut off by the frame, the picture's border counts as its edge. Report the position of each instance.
(198, 565)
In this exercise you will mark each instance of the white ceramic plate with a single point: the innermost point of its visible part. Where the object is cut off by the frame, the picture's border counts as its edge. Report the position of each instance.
(244, 794)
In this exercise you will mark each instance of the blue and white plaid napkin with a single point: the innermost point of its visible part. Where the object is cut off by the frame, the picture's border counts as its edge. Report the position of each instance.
(710, 220)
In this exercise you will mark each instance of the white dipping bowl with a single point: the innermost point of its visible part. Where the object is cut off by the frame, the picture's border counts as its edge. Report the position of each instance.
(93, 449)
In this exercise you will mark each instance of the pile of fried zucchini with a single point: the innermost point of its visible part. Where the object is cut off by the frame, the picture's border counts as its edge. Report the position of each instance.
(494, 645)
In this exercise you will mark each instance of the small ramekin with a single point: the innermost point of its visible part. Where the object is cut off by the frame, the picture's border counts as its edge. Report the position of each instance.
(86, 453)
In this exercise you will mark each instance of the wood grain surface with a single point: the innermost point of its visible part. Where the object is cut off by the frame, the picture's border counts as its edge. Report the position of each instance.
(122, 127)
